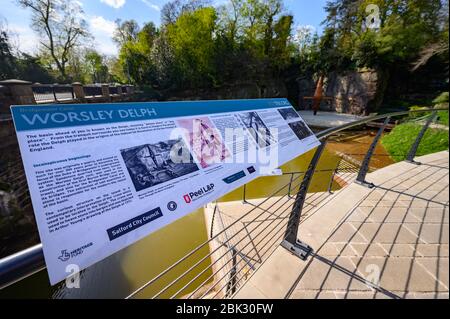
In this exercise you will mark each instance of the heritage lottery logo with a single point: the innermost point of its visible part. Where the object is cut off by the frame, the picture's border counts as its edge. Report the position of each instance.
(193, 196)
(66, 255)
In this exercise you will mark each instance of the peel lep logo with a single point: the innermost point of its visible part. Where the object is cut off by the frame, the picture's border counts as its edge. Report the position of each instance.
(187, 199)
(193, 196)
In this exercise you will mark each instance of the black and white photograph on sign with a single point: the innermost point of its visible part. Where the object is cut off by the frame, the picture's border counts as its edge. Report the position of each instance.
(288, 114)
(256, 127)
(151, 164)
(301, 130)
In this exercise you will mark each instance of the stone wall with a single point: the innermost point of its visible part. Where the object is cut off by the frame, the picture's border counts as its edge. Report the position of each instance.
(18, 92)
(356, 92)
(245, 90)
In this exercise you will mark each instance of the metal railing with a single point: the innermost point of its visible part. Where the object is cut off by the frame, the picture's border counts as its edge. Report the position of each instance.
(44, 93)
(113, 90)
(239, 244)
(93, 91)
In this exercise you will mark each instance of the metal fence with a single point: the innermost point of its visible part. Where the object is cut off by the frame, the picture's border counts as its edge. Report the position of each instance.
(113, 90)
(239, 243)
(44, 93)
(93, 91)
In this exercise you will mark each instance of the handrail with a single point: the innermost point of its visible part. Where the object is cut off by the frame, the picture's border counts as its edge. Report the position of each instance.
(30, 261)
(21, 265)
(331, 131)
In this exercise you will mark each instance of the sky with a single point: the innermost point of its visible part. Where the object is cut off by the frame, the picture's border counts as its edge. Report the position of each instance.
(101, 14)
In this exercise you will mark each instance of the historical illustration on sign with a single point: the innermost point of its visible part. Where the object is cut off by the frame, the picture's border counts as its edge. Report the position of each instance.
(257, 129)
(151, 164)
(301, 130)
(289, 114)
(205, 141)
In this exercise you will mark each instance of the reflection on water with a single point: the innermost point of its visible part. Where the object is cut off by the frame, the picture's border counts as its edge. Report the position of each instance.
(120, 274)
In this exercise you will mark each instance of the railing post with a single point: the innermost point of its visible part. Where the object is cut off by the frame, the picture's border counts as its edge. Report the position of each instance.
(21, 92)
(361, 179)
(231, 286)
(54, 93)
(415, 146)
(291, 241)
(244, 200)
(330, 185)
(290, 186)
(119, 92)
(78, 90)
(105, 92)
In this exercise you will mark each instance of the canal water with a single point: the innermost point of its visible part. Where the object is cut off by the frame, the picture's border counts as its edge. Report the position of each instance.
(122, 273)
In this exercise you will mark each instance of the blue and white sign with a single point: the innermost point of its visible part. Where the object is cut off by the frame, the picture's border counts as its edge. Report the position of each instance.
(103, 176)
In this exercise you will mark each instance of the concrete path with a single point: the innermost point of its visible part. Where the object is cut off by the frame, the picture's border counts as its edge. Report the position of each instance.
(328, 119)
(388, 242)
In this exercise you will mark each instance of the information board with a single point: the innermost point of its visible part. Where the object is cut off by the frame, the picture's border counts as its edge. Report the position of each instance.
(103, 176)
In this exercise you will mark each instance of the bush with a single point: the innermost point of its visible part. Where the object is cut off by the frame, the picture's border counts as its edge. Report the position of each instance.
(441, 99)
(417, 115)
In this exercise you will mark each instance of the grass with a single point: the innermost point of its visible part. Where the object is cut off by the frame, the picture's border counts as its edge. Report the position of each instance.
(398, 142)
(443, 117)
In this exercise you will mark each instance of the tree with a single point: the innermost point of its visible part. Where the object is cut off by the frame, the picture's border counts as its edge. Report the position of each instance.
(97, 67)
(136, 55)
(7, 60)
(125, 31)
(14, 64)
(303, 38)
(174, 9)
(61, 27)
(192, 39)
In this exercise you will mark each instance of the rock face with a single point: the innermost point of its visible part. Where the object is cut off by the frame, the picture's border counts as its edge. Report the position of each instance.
(356, 92)
(247, 90)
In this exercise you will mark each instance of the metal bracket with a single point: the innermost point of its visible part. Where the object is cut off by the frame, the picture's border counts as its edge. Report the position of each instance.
(415, 146)
(361, 179)
(414, 162)
(366, 184)
(299, 249)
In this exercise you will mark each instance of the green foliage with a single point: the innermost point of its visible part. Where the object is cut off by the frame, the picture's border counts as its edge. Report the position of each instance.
(405, 27)
(7, 60)
(20, 66)
(191, 38)
(441, 99)
(416, 115)
(203, 46)
(399, 141)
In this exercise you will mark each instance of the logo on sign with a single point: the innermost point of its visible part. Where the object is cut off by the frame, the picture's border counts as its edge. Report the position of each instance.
(172, 206)
(192, 196)
(65, 255)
